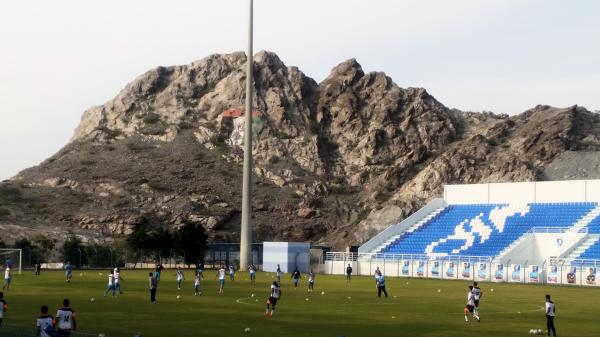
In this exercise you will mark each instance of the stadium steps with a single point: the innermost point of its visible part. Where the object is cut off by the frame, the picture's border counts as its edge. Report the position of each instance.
(583, 222)
(586, 219)
(510, 247)
(584, 246)
(413, 228)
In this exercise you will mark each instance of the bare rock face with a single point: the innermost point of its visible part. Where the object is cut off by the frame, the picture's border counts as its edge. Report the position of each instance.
(334, 162)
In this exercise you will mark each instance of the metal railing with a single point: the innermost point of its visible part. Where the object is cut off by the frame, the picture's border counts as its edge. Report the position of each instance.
(557, 230)
(345, 256)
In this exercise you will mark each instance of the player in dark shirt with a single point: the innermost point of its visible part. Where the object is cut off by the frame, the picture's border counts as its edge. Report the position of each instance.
(296, 277)
(348, 273)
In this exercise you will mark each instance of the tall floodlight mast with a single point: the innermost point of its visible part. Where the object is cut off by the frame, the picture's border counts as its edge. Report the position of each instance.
(246, 227)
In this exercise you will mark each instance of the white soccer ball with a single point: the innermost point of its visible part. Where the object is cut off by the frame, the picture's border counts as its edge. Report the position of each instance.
(322, 293)
(92, 299)
(101, 335)
(492, 290)
(531, 331)
(178, 296)
(307, 298)
(439, 290)
(99, 274)
(349, 297)
(80, 274)
(252, 295)
(393, 316)
(247, 330)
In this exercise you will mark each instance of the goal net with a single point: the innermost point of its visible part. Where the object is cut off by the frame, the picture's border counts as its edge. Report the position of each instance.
(11, 257)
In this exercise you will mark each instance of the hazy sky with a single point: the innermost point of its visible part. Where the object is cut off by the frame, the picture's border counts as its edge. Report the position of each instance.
(58, 58)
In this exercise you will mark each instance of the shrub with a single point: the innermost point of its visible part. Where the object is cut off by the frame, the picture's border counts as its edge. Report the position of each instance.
(151, 118)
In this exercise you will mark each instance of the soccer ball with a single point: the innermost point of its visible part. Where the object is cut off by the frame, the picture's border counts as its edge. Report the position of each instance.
(92, 299)
(178, 296)
(252, 295)
(393, 316)
(439, 290)
(349, 297)
(307, 298)
(101, 335)
(80, 274)
(492, 290)
(322, 293)
(247, 330)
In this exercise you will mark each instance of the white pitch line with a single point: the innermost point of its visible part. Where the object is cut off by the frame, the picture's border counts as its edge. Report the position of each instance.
(239, 300)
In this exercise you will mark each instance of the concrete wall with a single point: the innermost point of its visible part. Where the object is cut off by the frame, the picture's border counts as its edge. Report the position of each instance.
(288, 255)
(539, 247)
(495, 272)
(524, 192)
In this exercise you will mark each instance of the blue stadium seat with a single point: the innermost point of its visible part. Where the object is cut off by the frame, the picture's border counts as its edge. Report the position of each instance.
(486, 229)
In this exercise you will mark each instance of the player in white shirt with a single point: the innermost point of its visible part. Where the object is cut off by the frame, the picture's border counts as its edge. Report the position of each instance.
(180, 278)
(44, 323)
(221, 275)
(65, 319)
(311, 281)
(111, 284)
(252, 272)
(7, 278)
(470, 307)
(477, 294)
(118, 279)
(197, 284)
(550, 314)
(273, 298)
(377, 275)
(3, 307)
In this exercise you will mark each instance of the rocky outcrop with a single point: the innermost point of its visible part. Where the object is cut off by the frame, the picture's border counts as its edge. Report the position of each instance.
(335, 162)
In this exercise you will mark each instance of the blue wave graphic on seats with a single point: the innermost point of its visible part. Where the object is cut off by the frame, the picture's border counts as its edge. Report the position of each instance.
(485, 229)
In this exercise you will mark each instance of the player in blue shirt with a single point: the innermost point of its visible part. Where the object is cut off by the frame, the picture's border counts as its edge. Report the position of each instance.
(69, 271)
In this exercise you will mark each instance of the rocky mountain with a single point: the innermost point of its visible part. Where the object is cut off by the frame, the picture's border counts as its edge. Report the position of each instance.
(335, 162)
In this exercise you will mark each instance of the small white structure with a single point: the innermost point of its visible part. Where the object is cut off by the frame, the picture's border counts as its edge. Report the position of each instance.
(288, 255)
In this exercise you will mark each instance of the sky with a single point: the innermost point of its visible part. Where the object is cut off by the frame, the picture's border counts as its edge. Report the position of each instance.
(59, 57)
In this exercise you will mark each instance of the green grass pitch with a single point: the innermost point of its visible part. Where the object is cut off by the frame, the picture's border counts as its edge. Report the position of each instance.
(414, 308)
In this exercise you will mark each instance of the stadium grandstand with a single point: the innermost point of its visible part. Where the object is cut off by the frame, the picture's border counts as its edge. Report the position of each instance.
(516, 232)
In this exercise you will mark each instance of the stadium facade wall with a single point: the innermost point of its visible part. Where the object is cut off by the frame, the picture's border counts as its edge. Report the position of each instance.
(537, 248)
(524, 192)
(471, 269)
(288, 255)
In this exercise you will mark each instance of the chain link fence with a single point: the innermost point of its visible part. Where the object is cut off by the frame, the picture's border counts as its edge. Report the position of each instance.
(106, 256)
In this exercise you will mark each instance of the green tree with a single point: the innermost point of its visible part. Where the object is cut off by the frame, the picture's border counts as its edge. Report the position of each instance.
(73, 250)
(159, 242)
(45, 246)
(30, 252)
(191, 240)
(162, 242)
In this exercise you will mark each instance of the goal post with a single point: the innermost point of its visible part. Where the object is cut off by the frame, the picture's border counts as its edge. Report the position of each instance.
(12, 257)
